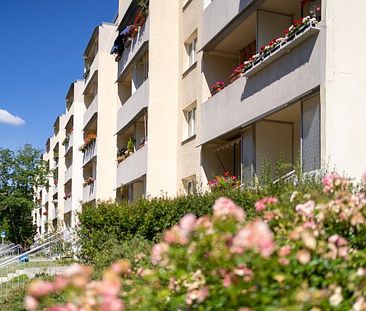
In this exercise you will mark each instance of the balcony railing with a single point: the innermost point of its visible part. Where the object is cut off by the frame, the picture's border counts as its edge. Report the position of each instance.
(282, 48)
(272, 84)
(68, 143)
(134, 47)
(68, 205)
(133, 106)
(89, 191)
(92, 109)
(68, 174)
(135, 166)
(90, 152)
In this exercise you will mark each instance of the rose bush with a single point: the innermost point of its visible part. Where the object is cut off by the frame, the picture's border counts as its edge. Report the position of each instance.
(294, 253)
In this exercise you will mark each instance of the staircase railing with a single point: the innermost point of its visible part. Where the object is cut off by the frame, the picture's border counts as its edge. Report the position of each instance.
(44, 259)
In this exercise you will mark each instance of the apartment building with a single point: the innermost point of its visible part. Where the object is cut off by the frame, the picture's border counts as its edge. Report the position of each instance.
(291, 100)
(175, 92)
(49, 214)
(82, 149)
(147, 54)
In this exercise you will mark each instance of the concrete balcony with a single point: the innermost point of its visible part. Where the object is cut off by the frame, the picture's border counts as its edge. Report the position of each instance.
(130, 53)
(124, 5)
(89, 192)
(273, 86)
(133, 106)
(69, 144)
(68, 205)
(69, 113)
(93, 67)
(53, 212)
(218, 15)
(90, 153)
(91, 111)
(68, 174)
(45, 198)
(134, 167)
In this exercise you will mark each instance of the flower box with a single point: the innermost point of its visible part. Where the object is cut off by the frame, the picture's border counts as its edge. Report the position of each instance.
(217, 87)
(236, 76)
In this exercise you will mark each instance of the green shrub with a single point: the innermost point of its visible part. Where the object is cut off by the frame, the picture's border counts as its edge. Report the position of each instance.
(115, 230)
(296, 253)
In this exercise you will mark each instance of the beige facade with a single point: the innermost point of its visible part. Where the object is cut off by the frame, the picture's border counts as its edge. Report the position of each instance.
(100, 96)
(160, 128)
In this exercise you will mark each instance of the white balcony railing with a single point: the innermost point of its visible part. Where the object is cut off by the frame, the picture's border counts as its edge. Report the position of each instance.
(55, 188)
(91, 110)
(68, 174)
(68, 205)
(69, 143)
(286, 46)
(89, 192)
(133, 49)
(45, 198)
(90, 152)
(133, 106)
(135, 166)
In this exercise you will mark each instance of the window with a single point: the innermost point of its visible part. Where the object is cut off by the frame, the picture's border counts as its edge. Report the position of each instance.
(190, 185)
(191, 122)
(141, 70)
(191, 47)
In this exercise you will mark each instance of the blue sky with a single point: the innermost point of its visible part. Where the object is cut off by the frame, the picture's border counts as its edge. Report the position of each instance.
(41, 53)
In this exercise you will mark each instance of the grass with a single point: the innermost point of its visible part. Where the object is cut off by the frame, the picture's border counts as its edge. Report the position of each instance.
(13, 299)
(31, 264)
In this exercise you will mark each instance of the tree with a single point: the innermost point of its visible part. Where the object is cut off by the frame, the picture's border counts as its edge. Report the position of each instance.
(21, 173)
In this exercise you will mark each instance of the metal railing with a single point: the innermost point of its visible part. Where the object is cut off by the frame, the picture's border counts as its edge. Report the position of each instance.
(5, 246)
(9, 252)
(46, 259)
(286, 177)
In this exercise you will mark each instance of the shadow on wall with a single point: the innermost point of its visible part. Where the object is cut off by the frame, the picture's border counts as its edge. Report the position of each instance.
(217, 162)
(244, 3)
(296, 58)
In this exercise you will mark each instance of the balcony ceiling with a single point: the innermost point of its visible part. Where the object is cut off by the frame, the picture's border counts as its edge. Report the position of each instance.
(286, 7)
(241, 36)
(289, 114)
(245, 33)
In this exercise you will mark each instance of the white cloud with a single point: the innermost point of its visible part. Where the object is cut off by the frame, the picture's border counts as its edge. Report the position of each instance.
(8, 118)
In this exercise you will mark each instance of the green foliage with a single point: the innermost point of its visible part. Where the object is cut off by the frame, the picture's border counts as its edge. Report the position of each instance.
(293, 251)
(115, 230)
(21, 172)
(130, 145)
(13, 300)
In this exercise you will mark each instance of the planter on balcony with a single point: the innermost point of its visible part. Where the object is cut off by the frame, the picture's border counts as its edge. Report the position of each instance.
(123, 154)
(217, 87)
(289, 42)
(237, 73)
(88, 142)
(293, 36)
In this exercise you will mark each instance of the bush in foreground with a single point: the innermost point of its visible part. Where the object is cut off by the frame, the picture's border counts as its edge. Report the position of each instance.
(122, 230)
(295, 254)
